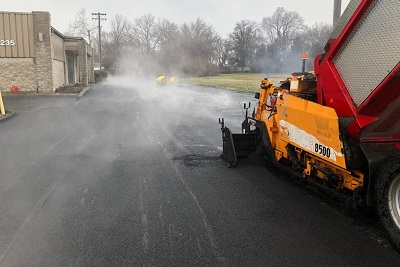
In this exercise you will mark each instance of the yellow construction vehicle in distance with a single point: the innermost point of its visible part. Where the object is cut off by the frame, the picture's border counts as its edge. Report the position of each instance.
(162, 80)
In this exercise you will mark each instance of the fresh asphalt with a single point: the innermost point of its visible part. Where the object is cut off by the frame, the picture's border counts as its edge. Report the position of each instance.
(130, 175)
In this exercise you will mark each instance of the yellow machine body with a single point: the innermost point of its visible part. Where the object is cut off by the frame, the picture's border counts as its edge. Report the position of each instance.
(311, 131)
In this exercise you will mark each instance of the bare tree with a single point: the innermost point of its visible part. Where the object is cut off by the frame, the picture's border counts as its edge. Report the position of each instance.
(282, 25)
(80, 26)
(281, 29)
(311, 40)
(197, 44)
(167, 31)
(244, 41)
(223, 52)
(260, 63)
(168, 54)
(199, 39)
(144, 33)
(115, 41)
(316, 37)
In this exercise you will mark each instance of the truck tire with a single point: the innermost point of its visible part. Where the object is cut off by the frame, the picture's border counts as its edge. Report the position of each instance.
(387, 197)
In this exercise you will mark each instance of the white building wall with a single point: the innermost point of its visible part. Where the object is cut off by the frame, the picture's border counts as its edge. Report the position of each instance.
(58, 74)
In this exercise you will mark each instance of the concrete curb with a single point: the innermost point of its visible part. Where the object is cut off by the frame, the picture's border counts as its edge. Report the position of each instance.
(83, 92)
(9, 115)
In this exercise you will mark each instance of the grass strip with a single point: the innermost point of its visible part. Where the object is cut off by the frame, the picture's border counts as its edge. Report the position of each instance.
(244, 82)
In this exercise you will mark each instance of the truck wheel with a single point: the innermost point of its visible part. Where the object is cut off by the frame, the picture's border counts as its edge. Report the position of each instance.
(388, 201)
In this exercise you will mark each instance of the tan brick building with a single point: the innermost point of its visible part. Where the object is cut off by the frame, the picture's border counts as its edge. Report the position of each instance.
(36, 57)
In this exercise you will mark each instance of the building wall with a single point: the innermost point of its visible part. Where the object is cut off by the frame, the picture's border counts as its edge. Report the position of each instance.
(44, 64)
(57, 46)
(90, 65)
(58, 74)
(58, 59)
(33, 54)
(18, 71)
(16, 35)
(72, 49)
(17, 64)
(77, 69)
(91, 69)
(84, 71)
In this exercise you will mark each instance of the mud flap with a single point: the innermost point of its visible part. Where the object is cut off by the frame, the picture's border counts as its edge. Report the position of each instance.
(236, 145)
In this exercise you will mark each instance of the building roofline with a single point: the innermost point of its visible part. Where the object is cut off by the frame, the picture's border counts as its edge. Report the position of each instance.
(66, 37)
(74, 38)
(12, 12)
(57, 32)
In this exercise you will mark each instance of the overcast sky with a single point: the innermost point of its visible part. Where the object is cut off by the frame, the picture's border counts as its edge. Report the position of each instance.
(222, 14)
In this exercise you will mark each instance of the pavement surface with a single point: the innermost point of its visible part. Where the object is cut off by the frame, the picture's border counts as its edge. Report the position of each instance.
(130, 175)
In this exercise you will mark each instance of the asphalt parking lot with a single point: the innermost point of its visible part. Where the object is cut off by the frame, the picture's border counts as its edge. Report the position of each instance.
(130, 174)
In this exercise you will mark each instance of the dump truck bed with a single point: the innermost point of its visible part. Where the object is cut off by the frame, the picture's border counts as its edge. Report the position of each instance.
(360, 74)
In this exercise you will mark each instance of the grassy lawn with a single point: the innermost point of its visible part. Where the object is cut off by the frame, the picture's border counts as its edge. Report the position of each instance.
(246, 82)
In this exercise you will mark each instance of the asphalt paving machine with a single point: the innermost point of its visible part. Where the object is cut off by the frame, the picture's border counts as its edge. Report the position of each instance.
(338, 127)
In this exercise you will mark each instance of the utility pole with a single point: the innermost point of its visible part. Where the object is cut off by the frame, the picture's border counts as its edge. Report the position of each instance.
(99, 17)
(337, 10)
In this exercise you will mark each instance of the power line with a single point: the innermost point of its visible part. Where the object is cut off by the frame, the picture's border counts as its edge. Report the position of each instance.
(99, 17)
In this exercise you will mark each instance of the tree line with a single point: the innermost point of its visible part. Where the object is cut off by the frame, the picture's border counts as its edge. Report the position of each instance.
(153, 46)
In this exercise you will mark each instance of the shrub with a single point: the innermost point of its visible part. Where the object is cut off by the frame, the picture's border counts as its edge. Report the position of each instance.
(99, 75)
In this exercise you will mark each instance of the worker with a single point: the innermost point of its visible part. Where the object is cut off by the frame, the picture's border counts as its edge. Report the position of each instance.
(161, 80)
